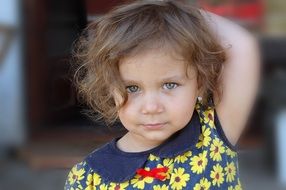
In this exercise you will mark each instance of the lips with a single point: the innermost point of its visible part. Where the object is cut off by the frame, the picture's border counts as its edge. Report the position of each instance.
(154, 125)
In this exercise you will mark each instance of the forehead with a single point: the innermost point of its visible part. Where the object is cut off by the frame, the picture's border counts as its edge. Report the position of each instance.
(153, 64)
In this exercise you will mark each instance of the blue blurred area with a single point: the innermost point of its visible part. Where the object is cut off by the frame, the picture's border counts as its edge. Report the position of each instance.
(12, 124)
(39, 113)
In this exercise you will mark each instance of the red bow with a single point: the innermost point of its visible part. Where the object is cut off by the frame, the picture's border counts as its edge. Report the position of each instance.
(155, 173)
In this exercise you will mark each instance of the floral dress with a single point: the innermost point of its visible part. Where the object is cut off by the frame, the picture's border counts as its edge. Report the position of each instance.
(198, 157)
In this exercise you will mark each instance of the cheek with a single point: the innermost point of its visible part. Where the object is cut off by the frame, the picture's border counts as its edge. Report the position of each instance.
(183, 105)
(127, 113)
(184, 98)
(182, 108)
(181, 113)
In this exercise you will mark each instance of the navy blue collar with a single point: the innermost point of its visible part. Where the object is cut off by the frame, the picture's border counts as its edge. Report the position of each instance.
(115, 165)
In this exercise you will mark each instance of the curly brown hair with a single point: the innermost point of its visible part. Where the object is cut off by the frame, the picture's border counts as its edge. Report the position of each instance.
(133, 28)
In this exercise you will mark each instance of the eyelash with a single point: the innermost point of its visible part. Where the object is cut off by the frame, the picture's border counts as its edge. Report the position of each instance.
(172, 83)
(175, 85)
(129, 87)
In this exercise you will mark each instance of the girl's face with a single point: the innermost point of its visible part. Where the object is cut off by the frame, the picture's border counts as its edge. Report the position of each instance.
(161, 98)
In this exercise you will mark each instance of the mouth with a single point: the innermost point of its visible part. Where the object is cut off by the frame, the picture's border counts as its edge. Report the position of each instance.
(154, 126)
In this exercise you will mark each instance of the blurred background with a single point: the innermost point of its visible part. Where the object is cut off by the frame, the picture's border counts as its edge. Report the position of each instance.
(42, 129)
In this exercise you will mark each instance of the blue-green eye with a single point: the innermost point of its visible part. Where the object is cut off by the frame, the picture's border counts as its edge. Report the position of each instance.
(170, 85)
(132, 89)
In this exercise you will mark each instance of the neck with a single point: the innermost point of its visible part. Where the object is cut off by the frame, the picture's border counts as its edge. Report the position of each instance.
(130, 144)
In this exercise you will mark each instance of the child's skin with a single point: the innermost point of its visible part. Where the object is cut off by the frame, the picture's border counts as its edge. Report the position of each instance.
(161, 98)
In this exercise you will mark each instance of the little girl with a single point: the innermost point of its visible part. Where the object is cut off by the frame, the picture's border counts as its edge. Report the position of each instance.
(181, 81)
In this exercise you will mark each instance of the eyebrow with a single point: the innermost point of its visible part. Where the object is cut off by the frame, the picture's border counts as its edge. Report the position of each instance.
(174, 78)
(167, 79)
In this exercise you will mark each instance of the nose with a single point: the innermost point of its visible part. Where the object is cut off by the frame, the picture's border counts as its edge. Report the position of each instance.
(152, 104)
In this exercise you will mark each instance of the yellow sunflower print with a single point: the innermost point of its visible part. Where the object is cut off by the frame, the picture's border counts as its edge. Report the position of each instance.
(204, 138)
(76, 174)
(103, 187)
(183, 158)
(217, 175)
(179, 179)
(238, 186)
(89, 182)
(217, 149)
(230, 153)
(169, 163)
(158, 187)
(204, 184)
(153, 158)
(230, 172)
(118, 186)
(230, 188)
(199, 163)
(139, 181)
(96, 179)
(208, 117)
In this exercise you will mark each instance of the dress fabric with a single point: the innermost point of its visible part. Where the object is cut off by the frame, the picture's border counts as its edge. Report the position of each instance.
(199, 157)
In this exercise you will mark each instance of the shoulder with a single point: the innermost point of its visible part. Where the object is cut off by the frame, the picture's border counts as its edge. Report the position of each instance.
(212, 128)
(78, 176)
(83, 173)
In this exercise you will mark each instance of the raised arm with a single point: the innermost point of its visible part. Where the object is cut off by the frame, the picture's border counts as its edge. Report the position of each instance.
(241, 75)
